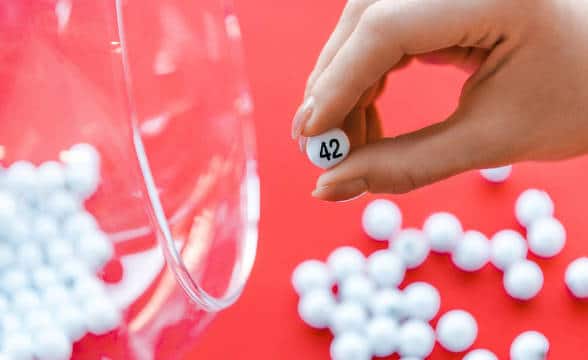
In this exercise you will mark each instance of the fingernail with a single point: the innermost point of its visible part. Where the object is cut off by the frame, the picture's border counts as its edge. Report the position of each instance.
(302, 144)
(302, 116)
(343, 191)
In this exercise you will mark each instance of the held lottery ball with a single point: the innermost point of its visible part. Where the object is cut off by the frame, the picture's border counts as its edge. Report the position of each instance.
(328, 149)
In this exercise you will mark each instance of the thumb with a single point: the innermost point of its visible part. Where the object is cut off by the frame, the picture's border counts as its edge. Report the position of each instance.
(463, 142)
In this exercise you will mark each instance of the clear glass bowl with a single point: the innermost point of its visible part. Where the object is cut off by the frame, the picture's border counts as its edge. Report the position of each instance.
(157, 86)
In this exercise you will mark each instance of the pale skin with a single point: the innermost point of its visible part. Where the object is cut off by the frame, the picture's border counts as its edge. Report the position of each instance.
(526, 98)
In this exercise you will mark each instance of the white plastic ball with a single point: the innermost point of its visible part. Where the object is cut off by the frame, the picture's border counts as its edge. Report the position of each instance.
(422, 301)
(21, 178)
(52, 344)
(358, 288)
(25, 300)
(102, 316)
(382, 334)
(55, 296)
(348, 317)
(44, 228)
(412, 246)
(311, 274)
(506, 248)
(87, 288)
(315, 308)
(350, 346)
(443, 230)
(14, 279)
(51, 177)
(72, 271)
(546, 237)
(457, 330)
(79, 224)
(386, 268)
(416, 339)
(4, 306)
(82, 181)
(37, 319)
(95, 249)
(29, 255)
(44, 276)
(71, 319)
(472, 251)
(10, 322)
(59, 251)
(388, 302)
(381, 219)
(497, 174)
(82, 155)
(18, 346)
(523, 280)
(530, 345)
(345, 261)
(480, 354)
(8, 212)
(21, 231)
(531, 205)
(576, 277)
(61, 204)
(327, 149)
(7, 256)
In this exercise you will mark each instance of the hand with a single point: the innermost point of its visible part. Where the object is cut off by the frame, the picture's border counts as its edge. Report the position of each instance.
(527, 97)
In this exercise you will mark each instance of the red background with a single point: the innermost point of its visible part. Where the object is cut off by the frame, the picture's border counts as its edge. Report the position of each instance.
(282, 41)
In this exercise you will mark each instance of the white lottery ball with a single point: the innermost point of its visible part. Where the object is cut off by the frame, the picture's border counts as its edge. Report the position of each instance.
(345, 261)
(44, 276)
(73, 271)
(382, 334)
(44, 228)
(14, 279)
(311, 274)
(88, 288)
(523, 280)
(480, 354)
(327, 149)
(358, 288)
(52, 344)
(79, 224)
(82, 181)
(59, 251)
(381, 219)
(497, 174)
(531, 205)
(350, 346)
(386, 268)
(37, 319)
(21, 231)
(71, 319)
(530, 345)
(21, 178)
(7, 255)
(412, 246)
(55, 296)
(443, 230)
(457, 330)
(4, 305)
(18, 346)
(25, 300)
(546, 236)
(61, 204)
(422, 301)
(472, 251)
(348, 317)
(8, 212)
(95, 249)
(102, 316)
(416, 339)
(51, 177)
(315, 308)
(506, 248)
(82, 154)
(576, 277)
(388, 302)
(30, 255)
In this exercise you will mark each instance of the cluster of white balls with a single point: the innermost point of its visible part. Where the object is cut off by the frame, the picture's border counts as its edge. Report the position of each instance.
(50, 251)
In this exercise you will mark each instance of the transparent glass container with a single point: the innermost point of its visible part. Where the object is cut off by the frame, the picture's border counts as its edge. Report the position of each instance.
(158, 88)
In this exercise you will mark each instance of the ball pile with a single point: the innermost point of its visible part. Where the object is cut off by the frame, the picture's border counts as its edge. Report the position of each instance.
(50, 251)
(370, 315)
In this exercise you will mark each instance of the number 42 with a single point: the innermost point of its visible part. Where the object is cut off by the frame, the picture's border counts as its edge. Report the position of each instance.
(331, 151)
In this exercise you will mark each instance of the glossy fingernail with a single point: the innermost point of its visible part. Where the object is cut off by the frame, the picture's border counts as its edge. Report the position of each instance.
(302, 144)
(302, 115)
(342, 191)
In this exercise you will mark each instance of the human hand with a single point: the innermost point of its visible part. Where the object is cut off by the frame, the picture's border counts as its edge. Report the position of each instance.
(525, 100)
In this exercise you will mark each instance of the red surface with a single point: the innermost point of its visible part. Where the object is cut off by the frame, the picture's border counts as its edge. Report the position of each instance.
(282, 41)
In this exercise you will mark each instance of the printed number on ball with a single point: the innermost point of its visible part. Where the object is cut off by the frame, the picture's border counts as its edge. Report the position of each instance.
(328, 149)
